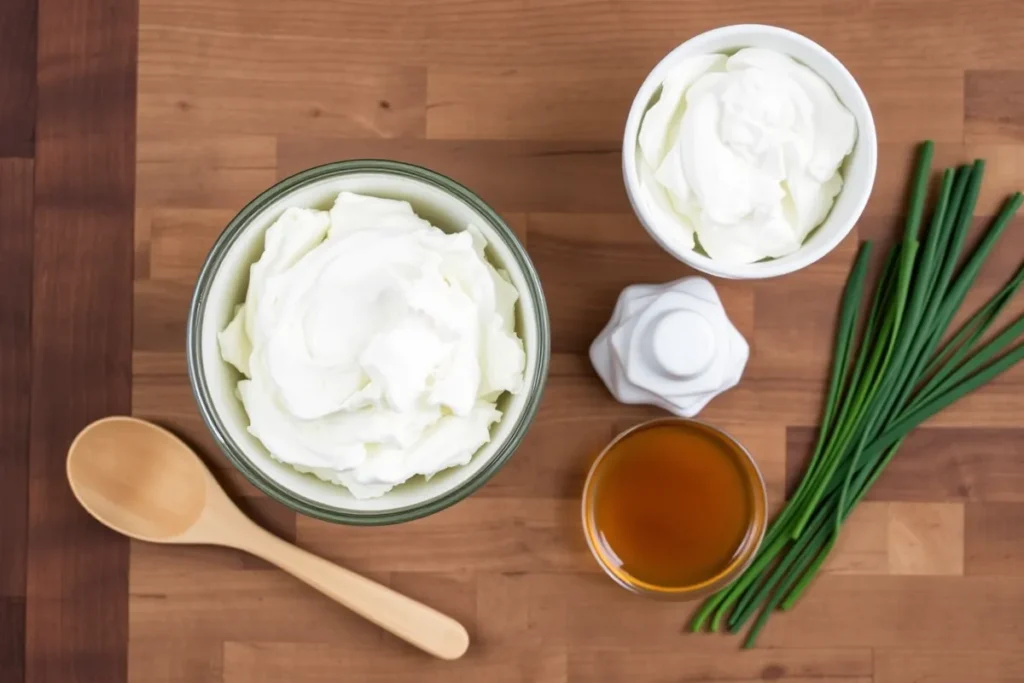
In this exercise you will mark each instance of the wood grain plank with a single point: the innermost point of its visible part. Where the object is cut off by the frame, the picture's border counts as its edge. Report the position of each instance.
(15, 384)
(406, 21)
(994, 543)
(904, 612)
(180, 239)
(159, 363)
(586, 260)
(171, 594)
(913, 103)
(197, 82)
(267, 662)
(994, 106)
(167, 400)
(528, 103)
(603, 34)
(12, 644)
(839, 612)
(554, 458)
(15, 368)
(163, 660)
(141, 242)
(926, 538)
(895, 159)
(17, 78)
(218, 172)
(478, 534)
(162, 310)
(941, 464)
(589, 33)
(789, 338)
(948, 666)
(510, 175)
(919, 539)
(76, 606)
(644, 665)
(863, 544)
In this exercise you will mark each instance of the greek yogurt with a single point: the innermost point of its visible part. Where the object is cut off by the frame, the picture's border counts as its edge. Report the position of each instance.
(374, 346)
(743, 153)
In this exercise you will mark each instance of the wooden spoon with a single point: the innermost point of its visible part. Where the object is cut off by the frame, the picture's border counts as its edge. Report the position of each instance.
(142, 481)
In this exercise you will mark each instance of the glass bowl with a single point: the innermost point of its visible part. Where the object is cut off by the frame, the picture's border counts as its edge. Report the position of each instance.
(222, 284)
(742, 556)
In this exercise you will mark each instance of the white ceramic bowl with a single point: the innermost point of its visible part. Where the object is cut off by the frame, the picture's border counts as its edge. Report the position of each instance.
(858, 169)
(222, 284)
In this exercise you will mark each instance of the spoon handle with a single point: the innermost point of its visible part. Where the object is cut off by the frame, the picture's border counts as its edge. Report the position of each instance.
(412, 621)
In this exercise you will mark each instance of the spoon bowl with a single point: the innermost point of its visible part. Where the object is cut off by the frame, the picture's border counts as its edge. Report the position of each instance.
(142, 481)
(138, 479)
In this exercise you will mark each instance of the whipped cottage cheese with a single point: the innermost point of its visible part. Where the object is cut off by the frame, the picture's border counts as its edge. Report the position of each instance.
(374, 345)
(743, 153)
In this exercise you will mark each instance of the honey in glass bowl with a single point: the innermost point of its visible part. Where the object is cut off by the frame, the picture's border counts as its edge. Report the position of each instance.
(674, 508)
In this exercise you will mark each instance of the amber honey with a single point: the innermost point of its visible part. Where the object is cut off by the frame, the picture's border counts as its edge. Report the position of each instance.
(673, 505)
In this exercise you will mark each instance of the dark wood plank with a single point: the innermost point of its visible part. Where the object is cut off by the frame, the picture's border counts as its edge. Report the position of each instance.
(17, 78)
(15, 381)
(937, 464)
(12, 639)
(76, 607)
(15, 366)
(993, 542)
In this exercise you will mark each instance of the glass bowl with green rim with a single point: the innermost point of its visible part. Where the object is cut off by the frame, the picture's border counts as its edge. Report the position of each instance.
(221, 286)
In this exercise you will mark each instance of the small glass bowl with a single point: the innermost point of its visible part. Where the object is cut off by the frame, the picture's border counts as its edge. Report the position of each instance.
(744, 554)
(222, 285)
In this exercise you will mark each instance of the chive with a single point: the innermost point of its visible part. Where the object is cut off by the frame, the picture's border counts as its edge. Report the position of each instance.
(953, 353)
(722, 601)
(810, 557)
(893, 346)
(919, 190)
(911, 418)
(977, 361)
(899, 372)
(746, 607)
(959, 222)
(883, 383)
(925, 277)
(968, 333)
(862, 486)
(956, 294)
(945, 249)
(961, 226)
(878, 365)
(764, 557)
(852, 296)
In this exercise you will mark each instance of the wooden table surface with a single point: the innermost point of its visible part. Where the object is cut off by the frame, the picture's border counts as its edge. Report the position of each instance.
(112, 189)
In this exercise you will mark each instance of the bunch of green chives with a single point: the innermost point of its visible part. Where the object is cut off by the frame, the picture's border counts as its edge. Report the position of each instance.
(886, 380)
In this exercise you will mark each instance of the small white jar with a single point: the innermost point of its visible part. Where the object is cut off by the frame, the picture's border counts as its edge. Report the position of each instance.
(670, 345)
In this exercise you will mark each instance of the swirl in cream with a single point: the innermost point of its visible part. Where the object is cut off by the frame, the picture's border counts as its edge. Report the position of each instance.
(744, 152)
(374, 345)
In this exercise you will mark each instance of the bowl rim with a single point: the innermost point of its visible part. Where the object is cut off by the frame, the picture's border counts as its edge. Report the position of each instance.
(745, 553)
(197, 377)
(867, 140)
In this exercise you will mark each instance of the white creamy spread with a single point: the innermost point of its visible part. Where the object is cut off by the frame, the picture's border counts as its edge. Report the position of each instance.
(374, 345)
(744, 151)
